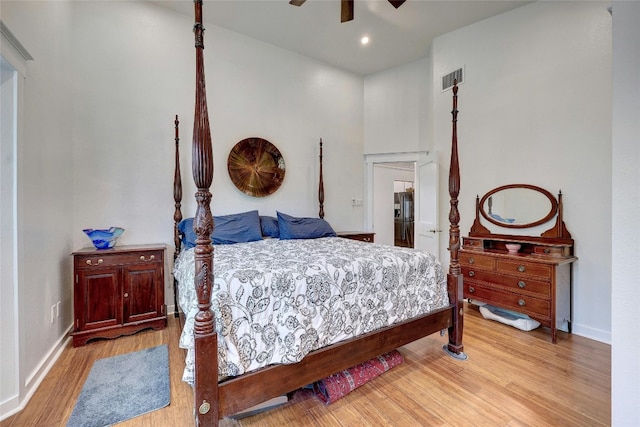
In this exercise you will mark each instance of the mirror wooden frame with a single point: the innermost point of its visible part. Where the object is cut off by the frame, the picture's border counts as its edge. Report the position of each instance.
(487, 198)
(558, 232)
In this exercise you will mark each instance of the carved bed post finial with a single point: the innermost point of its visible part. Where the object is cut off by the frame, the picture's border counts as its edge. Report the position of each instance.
(321, 186)
(206, 397)
(454, 278)
(177, 193)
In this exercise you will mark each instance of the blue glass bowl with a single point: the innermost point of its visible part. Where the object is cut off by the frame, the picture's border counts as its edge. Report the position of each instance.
(104, 238)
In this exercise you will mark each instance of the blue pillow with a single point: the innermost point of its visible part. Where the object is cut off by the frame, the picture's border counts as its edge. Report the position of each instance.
(229, 229)
(188, 235)
(303, 228)
(269, 226)
(236, 228)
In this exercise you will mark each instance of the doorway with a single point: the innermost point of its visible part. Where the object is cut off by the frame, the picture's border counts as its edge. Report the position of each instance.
(381, 172)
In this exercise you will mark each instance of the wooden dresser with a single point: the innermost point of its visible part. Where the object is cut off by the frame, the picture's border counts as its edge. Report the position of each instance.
(118, 291)
(357, 235)
(534, 278)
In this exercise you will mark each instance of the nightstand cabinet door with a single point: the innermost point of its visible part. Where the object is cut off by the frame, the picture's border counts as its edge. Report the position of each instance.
(140, 298)
(97, 298)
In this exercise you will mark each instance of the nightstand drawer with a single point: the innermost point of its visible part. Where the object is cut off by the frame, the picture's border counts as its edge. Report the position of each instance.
(117, 258)
(357, 235)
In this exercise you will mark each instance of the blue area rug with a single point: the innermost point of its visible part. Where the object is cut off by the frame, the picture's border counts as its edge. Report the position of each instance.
(122, 387)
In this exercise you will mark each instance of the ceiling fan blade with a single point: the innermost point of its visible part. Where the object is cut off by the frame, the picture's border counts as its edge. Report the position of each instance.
(395, 3)
(346, 11)
(296, 2)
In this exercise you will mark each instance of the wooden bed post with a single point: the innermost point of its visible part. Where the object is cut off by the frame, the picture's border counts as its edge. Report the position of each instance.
(206, 343)
(454, 277)
(321, 187)
(177, 215)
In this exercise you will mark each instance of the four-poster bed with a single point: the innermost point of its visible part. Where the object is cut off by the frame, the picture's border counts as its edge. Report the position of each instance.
(216, 399)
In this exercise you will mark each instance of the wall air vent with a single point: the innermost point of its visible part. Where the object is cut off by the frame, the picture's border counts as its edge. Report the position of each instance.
(447, 80)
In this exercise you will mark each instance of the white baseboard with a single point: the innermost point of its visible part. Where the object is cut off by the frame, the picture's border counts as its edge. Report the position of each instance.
(591, 333)
(17, 403)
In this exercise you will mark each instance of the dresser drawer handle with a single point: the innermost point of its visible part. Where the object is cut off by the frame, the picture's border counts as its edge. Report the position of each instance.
(471, 260)
(521, 268)
(472, 289)
(472, 273)
(151, 258)
(521, 303)
(521, 284)
(126, 295)
(546, 250)
(100, 261)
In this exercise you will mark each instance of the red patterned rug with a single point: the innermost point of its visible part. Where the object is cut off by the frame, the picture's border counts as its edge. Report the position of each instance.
(338, 385)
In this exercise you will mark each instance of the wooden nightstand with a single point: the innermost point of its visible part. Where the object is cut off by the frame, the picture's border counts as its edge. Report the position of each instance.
(357, 235)
(118, 291)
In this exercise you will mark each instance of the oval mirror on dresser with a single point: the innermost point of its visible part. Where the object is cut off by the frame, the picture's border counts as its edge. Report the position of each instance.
(518, 206)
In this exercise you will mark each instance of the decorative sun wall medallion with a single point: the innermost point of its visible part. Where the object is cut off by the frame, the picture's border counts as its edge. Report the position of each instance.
(256, 167)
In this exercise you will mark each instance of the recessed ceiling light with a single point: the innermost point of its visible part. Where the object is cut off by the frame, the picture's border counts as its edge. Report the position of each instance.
(364, 40)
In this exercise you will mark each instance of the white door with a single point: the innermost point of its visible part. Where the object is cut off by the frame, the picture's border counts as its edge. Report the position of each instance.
(427, 231)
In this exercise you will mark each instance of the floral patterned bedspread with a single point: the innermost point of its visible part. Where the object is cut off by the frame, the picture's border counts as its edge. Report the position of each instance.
(276, 300)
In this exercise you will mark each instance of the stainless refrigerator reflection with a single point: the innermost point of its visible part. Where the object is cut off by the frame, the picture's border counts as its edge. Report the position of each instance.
(403, 219)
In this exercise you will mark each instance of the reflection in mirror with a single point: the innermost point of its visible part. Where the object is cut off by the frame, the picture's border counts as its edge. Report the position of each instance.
(518, 206)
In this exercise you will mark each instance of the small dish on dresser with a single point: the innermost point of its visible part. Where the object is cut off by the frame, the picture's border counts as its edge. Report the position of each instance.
(513, 248)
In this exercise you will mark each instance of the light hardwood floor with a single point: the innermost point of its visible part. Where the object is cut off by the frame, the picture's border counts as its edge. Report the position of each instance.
(512, 378)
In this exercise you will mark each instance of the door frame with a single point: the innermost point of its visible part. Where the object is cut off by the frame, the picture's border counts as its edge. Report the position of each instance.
(370, 160)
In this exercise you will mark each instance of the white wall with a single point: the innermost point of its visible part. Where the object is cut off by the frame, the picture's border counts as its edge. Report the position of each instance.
(625, 372)
(396, 109)
(131, 79)
(44, 189)
(535, 108)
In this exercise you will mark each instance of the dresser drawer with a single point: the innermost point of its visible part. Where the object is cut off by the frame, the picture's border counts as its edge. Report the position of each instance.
(114, 259)
(477, 261)
(472, 244)
(554, 251)
(540, 308)
(524, 268)
(539, 288)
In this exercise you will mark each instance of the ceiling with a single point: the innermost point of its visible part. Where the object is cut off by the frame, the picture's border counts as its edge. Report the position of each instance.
(397, 36)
